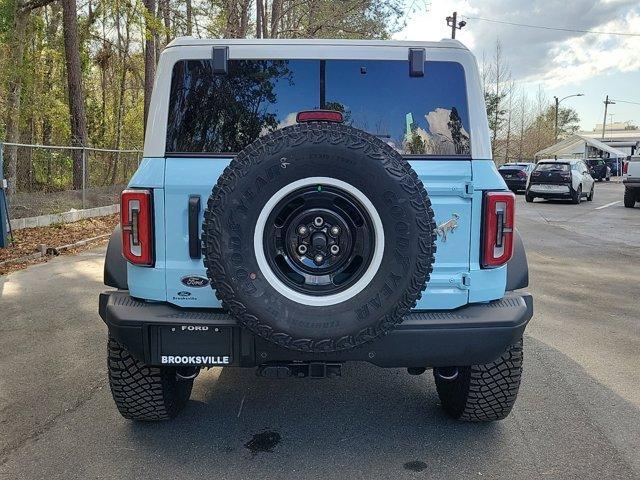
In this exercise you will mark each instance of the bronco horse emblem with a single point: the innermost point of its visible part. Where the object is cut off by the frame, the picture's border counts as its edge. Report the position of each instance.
(448, 226)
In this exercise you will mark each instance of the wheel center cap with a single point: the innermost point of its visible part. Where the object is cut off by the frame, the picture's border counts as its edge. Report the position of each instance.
(319, 241)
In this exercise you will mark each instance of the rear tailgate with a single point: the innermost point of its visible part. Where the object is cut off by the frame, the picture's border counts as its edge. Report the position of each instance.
(448, 184)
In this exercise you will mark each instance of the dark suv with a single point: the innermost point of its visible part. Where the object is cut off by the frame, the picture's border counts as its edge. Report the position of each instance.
(516, 175)
(599, 169)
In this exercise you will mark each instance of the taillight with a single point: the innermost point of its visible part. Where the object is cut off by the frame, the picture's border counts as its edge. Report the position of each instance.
(137, 226)
(498, 228)
(625, 167)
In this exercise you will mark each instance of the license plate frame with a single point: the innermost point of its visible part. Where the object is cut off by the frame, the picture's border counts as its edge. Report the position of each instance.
(194, 345)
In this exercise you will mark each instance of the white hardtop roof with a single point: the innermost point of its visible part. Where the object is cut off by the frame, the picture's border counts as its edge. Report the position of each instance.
(200, 42)
(189, 48)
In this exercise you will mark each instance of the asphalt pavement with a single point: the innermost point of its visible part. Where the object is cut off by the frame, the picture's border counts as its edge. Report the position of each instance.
(577, 416)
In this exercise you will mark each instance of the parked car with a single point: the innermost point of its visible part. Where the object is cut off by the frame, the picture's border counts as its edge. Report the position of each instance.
(561, 179)
(599, 169)
(631, 181)
(261, 231)
(516, 175)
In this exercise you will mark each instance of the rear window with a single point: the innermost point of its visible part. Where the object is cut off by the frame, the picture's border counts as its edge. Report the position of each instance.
(556, 167)
(211, 113)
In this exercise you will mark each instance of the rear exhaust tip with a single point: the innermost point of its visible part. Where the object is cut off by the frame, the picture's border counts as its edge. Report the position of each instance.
(448, 374)
(187, 373)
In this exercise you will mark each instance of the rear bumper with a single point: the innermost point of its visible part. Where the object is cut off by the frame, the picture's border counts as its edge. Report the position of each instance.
(513, 184)
(631, 182)
(473, 334)
(536, 190)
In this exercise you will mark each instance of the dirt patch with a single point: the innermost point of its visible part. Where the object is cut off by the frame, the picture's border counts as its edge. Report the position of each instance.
(27, 241)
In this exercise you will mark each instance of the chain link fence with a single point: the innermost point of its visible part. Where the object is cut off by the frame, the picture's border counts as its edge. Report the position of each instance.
(55, 179)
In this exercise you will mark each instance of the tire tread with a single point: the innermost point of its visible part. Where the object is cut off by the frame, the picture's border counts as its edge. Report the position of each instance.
(484, 393)
(143, 392)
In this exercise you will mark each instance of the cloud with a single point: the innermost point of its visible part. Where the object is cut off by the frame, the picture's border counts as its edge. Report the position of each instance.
(549, 57)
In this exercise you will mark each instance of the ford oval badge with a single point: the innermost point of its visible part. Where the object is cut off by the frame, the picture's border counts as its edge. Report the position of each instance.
(194, 281)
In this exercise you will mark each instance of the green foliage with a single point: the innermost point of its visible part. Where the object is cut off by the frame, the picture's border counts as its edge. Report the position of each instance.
(496, 112)
(415, 144)
(112, 36)
(7, 15)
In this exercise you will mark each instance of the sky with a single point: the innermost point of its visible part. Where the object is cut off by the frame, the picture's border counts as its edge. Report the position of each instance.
(561, 63)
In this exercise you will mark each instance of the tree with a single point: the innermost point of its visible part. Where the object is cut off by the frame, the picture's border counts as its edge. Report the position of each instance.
(496, 80)
(149, 55)
(77, 115)
(20, 17)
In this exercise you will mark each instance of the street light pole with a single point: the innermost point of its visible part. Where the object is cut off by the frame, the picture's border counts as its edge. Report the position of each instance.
(555, 130)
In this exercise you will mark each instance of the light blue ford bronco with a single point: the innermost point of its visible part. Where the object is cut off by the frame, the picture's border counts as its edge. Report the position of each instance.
(306, 203)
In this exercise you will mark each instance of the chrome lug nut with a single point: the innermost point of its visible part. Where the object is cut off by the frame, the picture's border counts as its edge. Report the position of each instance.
(318, 259)
(302, 249)
(335, 231)
(335, 249)
(302, 230)
(318, 221)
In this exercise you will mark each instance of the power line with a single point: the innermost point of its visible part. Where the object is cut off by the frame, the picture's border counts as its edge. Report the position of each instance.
(626, 101)
(543, 27)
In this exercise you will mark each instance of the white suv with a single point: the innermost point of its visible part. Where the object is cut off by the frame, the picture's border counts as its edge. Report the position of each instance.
(631, 182)
(562, 178)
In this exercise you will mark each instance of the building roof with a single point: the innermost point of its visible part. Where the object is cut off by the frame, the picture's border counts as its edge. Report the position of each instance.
(568, 143)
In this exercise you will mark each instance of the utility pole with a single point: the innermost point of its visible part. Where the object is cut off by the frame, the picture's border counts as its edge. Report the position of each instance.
(452, 22)
(555, 130)
(607, 102)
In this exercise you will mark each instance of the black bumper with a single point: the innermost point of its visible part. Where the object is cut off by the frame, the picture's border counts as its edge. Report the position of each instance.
(631, 182)
(516, 184)
(473, 334)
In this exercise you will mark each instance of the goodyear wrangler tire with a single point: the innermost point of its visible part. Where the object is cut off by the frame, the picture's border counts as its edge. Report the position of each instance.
(319, 237)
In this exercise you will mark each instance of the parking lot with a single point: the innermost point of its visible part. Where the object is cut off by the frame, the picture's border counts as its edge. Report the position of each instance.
(577, 416)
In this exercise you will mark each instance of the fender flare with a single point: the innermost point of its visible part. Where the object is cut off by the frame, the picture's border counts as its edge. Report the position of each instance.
(115, 265)
(517, 267)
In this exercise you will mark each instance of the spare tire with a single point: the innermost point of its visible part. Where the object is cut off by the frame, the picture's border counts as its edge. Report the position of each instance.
(319, 237)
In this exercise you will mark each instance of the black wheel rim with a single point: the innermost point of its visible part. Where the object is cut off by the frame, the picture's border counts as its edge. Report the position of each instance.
(319, 240)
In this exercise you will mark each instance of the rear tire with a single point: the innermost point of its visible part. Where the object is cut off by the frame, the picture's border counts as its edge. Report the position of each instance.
(483, 393)
(629, 198)
(576, 196)
(590, 196)
(528, 198)
(143, 392)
